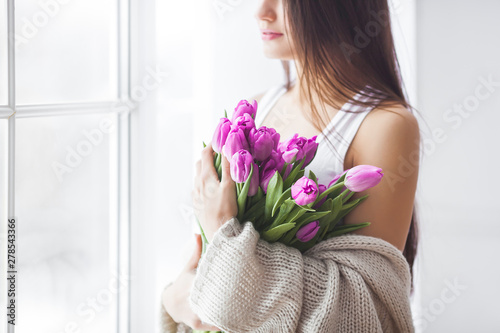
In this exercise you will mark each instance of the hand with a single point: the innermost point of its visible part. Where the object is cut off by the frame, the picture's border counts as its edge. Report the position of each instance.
(214, 201)
(175, 297)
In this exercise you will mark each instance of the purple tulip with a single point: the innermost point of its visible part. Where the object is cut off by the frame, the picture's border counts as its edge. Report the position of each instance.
(362, 177)
(245, 122)
(304, 191)
(241, 163)
(307, 232)
(236, 140)
(262, 141)
(322, 188)
(269, 166)
(220, 134)
(275, 159)
(244, 107)
(292, 148)
(300, 148)
(276, 136)
(335, 179)
(265, 178)
(310, 148)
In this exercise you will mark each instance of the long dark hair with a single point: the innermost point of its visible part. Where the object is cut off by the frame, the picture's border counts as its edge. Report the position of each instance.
(346, 47)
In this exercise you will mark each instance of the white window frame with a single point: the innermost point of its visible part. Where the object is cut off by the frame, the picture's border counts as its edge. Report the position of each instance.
(120, 158)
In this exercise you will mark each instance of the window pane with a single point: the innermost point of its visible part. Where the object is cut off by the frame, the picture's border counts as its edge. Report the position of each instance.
(3, 216)
(64, 231)
(66, 51)
(3, 52)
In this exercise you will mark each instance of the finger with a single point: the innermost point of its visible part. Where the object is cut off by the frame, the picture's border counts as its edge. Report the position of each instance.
(226, 171)
(195, 258)
(208, 172)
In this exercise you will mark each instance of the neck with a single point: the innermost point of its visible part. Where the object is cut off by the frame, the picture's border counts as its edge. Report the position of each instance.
(298, 92)
(298, 95)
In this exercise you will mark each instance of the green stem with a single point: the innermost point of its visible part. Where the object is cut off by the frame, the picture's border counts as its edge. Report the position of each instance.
(204, 240)
(328, 191)
(346, 196)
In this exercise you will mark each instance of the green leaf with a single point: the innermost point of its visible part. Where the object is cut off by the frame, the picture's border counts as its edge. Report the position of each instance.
(274, 234)
(346, 209)
(291, 177)
(283, 169)
(255, 212)
(313, 177)
(328, 191)
(297, 212)
(259, 205)
(332, 219)
(355, 202)
(286, 195)
(242, 197)
(218, 165)
(225, 113)
(326, 206)
(284, 212)
(204, 145)
(217, 159)
(259, 195)
(274, 191)
(341, 179)
(344, 229)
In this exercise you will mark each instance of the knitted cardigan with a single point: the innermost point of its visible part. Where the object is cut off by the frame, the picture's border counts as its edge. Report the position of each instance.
(350, 283)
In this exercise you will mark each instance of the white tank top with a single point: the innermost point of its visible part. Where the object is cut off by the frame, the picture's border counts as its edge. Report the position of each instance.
(341, 131)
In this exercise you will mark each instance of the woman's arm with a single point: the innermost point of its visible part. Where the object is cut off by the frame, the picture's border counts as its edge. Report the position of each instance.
(350, 283)
(389, 139)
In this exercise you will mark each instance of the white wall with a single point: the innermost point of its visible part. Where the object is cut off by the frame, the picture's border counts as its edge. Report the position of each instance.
(458, 47)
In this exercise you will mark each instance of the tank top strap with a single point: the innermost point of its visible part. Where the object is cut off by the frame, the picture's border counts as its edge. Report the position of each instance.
(342, 130)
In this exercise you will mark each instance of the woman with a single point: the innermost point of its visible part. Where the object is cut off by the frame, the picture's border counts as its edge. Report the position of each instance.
(349, 92)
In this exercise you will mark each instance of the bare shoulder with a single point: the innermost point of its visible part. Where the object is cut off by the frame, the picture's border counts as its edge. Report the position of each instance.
(385, 130)
(389, 123)
(394, 118)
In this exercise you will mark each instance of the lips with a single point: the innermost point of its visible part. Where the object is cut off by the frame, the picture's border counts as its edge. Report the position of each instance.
(267, 34)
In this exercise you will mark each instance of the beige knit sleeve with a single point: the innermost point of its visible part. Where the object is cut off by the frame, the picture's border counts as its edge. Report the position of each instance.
(350, 283)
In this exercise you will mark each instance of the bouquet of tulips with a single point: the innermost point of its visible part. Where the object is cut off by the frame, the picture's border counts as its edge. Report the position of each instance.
(272, 191)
